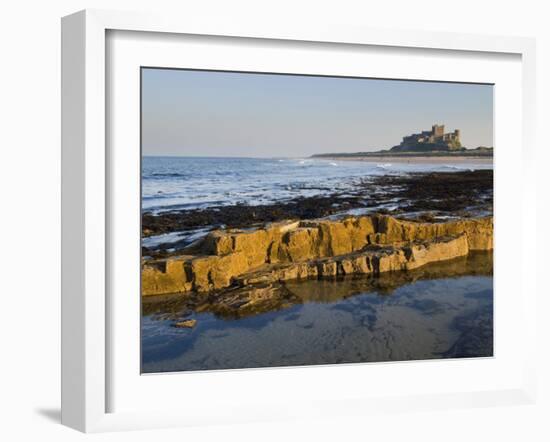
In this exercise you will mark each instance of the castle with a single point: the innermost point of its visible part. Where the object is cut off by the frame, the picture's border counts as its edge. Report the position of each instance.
(429, 141)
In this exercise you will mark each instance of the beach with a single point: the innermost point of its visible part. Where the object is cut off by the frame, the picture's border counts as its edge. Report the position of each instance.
(233, 247)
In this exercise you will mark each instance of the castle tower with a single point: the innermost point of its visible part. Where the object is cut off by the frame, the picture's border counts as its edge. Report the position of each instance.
(438, 130)
(457, 134)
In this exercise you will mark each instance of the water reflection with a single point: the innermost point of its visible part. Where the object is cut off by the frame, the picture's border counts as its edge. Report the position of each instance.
(439, 311)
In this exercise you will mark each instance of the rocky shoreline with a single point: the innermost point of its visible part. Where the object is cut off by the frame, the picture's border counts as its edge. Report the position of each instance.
(250, 257)
(241, 302)
(293, 250)
(433, 196)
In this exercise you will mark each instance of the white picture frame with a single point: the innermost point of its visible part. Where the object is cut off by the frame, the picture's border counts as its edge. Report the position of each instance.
(86, 356)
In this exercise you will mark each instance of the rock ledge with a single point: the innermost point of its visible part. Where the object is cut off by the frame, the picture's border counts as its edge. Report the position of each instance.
(313, 249)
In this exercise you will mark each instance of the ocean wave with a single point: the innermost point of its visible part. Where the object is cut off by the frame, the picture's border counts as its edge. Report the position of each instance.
(166, 175)
(156, 196)
(458, 168)
(188, 183)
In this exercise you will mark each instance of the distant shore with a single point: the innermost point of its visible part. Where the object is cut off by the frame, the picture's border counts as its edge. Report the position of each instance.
(461, 159)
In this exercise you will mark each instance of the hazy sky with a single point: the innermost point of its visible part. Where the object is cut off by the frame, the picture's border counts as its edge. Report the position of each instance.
(263, 115)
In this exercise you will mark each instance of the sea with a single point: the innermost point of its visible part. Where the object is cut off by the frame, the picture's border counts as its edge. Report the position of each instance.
(186, 183)
(180, 183)
(448, 316)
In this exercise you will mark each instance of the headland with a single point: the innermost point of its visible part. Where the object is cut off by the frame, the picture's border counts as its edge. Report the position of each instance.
(435, 144)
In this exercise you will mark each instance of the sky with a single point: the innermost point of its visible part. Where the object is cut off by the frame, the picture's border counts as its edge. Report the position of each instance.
(229, 114)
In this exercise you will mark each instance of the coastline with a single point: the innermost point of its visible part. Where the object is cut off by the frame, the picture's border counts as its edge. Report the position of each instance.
(396, 194)
(403, 258)
(234, 259)
(476, 263)
(416, 159)
(383, 224)
(441, 310)
(428, 196)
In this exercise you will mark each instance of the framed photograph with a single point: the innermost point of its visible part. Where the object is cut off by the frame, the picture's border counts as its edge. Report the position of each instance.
(269, 223)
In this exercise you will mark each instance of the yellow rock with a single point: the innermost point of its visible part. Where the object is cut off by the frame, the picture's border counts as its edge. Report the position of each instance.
(218, 242)
(437, 251)
(189, 323)
(328, 268)
(356, 264)
(319, 248)
(298, 245)
(215, 272)
(164, 277)
(390, 261)
(479, 232)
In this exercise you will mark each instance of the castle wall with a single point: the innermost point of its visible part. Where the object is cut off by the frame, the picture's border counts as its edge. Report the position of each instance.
(436, 139)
